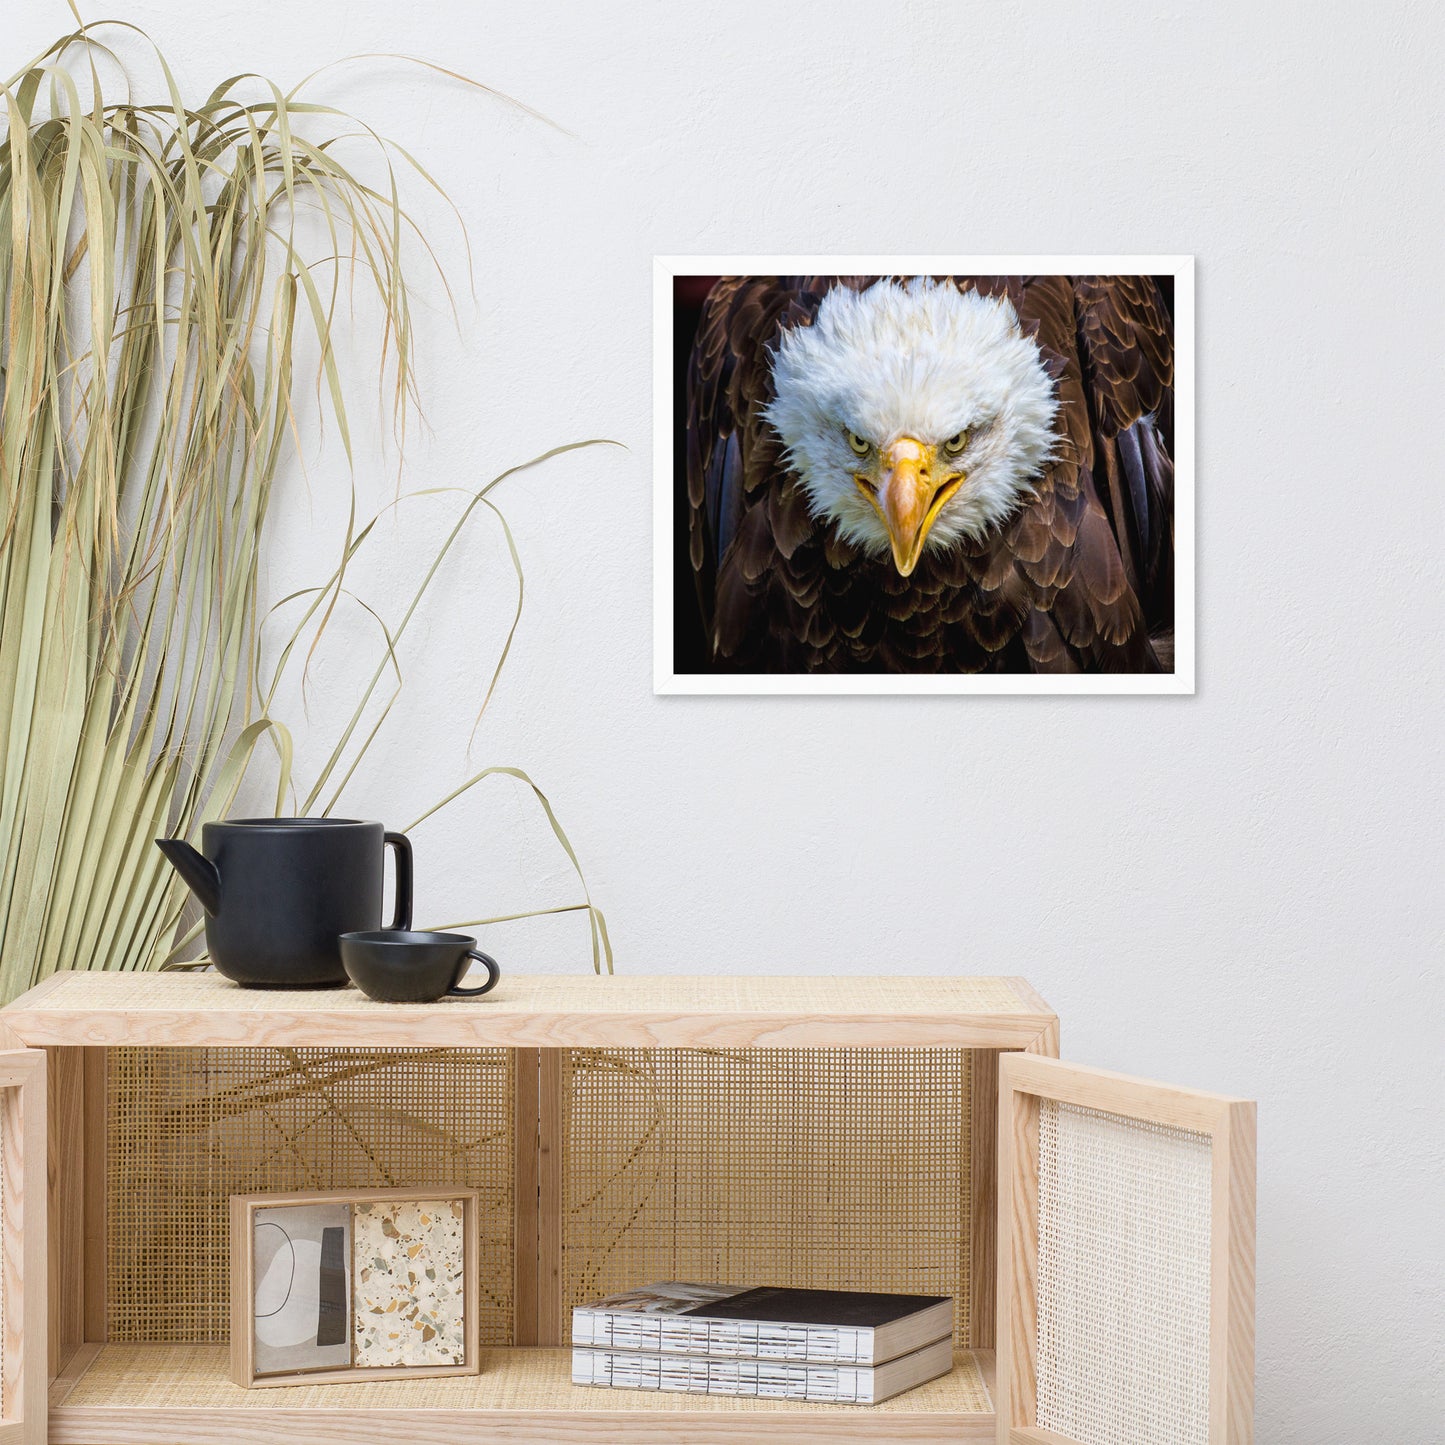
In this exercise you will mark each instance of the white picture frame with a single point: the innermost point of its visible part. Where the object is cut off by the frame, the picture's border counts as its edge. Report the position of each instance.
(667, 681)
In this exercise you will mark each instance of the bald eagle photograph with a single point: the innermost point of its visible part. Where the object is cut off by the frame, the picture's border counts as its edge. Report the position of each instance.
(936, 478)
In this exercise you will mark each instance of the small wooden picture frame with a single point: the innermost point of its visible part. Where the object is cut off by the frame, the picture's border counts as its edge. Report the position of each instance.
(364, 1284)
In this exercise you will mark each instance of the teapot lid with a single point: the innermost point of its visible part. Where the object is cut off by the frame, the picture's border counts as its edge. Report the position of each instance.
(289, 823)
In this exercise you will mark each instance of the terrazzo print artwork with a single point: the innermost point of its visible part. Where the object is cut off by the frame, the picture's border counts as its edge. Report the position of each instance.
(409, 1289)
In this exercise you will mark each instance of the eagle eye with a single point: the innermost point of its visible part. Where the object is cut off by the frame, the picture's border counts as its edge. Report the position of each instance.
(956, 443)
(860, 447)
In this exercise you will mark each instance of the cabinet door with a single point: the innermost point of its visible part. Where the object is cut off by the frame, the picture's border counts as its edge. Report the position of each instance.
(23, 1260)
(1126, 1260)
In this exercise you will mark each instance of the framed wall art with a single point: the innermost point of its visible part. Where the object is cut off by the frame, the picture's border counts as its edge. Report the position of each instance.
(959, 474)
(355, 1285)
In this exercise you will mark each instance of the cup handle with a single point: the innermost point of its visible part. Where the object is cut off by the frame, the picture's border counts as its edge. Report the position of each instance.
(402, 844)
(494, 972)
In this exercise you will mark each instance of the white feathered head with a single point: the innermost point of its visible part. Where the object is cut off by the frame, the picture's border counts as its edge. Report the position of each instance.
(915, 415)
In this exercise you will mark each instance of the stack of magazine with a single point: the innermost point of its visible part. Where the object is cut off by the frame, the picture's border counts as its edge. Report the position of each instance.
(833, 1346)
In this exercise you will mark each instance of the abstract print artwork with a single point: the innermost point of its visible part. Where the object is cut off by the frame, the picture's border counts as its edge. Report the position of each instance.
(302, 1294)
(329, 1286)
(932, 478)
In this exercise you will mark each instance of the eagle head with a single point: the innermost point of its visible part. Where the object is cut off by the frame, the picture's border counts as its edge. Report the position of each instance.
(915, 415)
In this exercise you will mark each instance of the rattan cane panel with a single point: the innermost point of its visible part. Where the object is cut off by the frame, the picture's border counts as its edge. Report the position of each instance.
(1123, 1279)
(827, 1168)
(187, 1128)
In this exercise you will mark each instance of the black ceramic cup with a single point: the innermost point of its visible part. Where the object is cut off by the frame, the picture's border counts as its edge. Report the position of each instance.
(394, 965)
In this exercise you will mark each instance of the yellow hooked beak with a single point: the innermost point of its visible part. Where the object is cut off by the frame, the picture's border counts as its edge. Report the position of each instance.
(914, 484)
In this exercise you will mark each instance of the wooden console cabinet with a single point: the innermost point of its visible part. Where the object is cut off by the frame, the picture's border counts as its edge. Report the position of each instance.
(838, 1131)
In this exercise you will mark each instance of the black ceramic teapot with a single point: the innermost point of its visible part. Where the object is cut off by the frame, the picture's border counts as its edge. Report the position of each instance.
(279, 891)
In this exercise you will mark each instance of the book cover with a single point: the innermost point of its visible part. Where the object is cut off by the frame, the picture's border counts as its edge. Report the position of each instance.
(805, 1325)
(858, 1308)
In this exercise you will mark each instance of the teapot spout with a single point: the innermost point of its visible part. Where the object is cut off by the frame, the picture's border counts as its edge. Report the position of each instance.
(199, 873)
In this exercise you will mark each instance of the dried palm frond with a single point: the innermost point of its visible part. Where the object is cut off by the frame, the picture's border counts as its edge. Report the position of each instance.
(156, 293)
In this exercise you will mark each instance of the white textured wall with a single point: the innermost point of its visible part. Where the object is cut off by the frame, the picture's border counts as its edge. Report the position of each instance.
(1239, 891)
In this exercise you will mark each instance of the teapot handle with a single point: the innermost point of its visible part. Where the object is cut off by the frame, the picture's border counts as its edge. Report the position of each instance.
(402, 844)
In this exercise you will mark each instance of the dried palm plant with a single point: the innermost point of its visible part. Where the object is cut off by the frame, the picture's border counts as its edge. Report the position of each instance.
(156, 293)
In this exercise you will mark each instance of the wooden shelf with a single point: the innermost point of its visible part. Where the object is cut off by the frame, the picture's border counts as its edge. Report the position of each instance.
(180, 1395)
(546, 1011)
(160, 1394)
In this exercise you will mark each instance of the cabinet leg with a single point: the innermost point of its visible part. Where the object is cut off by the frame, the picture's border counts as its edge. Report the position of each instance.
(65, 1087)
(550, 1324)
(537, 1181)
(526, 1106)
(94, 1069)
(983, 1234)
